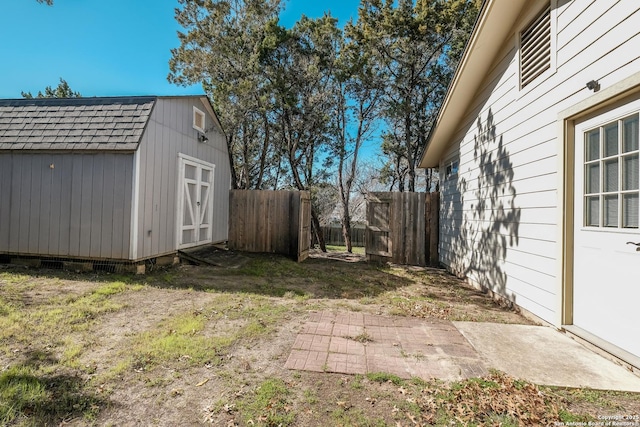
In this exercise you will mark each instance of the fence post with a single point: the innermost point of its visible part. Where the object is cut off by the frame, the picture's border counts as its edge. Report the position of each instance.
(433, 232)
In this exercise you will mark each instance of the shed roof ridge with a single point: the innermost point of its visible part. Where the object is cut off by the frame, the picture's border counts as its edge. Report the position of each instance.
(99, 100)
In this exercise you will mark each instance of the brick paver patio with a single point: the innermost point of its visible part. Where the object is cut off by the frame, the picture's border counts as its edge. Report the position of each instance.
(358, 343)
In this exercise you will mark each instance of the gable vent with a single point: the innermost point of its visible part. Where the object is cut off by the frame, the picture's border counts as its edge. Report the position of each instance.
(535, 48)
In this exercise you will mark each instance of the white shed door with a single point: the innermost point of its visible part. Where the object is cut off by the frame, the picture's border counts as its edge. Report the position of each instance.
(606, 290)
(195, 202)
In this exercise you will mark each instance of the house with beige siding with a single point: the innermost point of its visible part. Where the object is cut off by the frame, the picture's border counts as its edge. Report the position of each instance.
(119, 179)
(537, 145)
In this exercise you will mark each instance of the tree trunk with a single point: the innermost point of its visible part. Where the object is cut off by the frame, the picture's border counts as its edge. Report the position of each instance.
(409, 136)
(293, 164)
(234, 177)
(315, 222)
(346, 232)
(263, 154)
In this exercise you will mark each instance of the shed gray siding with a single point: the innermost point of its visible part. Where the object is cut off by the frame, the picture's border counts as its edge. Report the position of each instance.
(168, 133)
(66, 204)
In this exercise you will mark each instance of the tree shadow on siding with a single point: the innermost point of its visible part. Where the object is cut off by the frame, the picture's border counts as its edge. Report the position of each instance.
(486, 224)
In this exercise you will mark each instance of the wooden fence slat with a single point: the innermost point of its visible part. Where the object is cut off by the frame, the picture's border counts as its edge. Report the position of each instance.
(434, 228)
(412, 229)
(269, 221)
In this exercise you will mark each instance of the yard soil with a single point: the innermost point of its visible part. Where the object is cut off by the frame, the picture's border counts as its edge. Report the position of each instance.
(222, 391)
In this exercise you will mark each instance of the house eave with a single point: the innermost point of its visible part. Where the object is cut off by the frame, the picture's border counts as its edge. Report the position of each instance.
(494, 24)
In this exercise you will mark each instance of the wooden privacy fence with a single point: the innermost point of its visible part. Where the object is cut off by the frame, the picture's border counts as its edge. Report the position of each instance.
(333, 235)
(270, 221)
(402, 228)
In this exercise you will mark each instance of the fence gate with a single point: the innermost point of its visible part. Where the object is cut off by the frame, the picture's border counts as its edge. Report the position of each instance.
(402, 228)
(271, 222)
(303, 227)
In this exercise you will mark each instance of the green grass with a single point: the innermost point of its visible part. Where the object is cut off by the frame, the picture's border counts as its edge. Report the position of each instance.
(383, 377)
(191, 338)
(77, 313)
(268, 405)
(356, 417)
(358, 250)
(30, 398)
(268, 266)
(310, 396)
(179, 338)
(45, 385)
(64, 314)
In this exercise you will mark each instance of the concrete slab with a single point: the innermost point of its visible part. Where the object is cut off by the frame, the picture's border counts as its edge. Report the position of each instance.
(545, 356)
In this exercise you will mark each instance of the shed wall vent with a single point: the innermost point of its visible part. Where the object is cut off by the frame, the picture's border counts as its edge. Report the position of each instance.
(198, 120)
(535, 48)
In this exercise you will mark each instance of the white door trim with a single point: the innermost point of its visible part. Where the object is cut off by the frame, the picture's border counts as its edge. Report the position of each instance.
(199, 214)
(135, 206)
(566, 134)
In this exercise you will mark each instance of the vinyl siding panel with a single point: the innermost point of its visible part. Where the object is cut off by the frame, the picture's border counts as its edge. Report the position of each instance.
(65, 205)
(498, 215)
(170, 132)
(5, 200)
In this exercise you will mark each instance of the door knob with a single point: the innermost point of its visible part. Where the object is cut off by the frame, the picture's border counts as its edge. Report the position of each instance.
(636, 244)
(198, 203)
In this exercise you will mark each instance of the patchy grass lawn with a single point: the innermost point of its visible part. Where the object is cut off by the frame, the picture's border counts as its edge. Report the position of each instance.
(355, 249)
(198, 345)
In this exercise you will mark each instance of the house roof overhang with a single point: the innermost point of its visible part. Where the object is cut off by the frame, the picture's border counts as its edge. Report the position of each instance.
(494, 24)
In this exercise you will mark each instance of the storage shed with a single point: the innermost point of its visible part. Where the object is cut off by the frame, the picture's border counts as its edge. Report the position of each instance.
(123, 179)
(537, 143)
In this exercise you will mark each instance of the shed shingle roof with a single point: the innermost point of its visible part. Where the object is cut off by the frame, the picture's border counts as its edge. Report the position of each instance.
(74, 123)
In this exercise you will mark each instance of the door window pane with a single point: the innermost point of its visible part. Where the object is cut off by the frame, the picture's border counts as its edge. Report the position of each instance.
(611, 139)
(630, 180)
(206, 175)
(190, 172)
(592, 184)
(592, 145)
(592, 205)
(630, 210)
(611, 175)
(611, 211)
(630, 129)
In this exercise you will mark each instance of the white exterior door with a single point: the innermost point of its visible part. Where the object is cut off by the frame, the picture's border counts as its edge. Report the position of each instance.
(606, 281)
(195, 202)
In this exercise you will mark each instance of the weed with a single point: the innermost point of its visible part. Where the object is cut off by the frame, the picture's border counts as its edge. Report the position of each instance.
(72, 351)
(297, 295)
(367, 300)
(362, 337)
(269, 404)
(383, 377)
(419, 382)
(15, 278)
(310, 396)
(355, 417)
(567, 417)
(356, 384)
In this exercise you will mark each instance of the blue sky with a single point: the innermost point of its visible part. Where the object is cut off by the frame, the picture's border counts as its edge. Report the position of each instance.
(106, 47)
